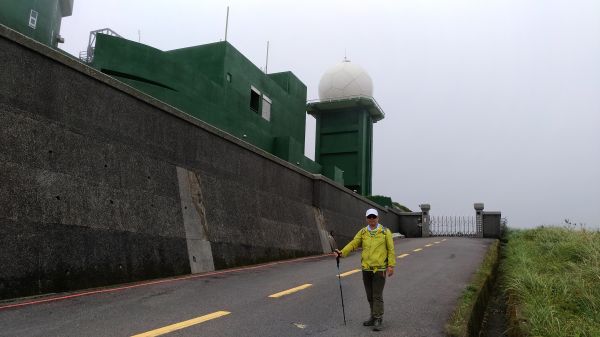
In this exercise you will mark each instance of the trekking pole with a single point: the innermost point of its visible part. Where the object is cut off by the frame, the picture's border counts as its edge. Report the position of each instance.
(337, 259)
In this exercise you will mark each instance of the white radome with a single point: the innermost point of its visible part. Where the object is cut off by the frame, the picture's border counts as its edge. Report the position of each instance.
(345, 79)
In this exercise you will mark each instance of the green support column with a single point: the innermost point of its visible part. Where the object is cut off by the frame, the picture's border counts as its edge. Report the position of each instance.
(344, 139)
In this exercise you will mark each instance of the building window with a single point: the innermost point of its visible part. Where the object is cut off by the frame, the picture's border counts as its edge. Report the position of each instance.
(254, 99)
(33, 19)
(266, 108)
(228, 77)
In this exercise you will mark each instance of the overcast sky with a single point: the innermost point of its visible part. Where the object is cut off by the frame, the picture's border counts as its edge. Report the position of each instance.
(494, 101)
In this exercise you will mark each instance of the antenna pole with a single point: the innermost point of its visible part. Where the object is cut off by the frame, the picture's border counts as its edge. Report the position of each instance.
(226, 23)
(267, 61)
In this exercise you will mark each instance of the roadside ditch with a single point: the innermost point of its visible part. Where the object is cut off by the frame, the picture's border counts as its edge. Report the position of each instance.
(481, 310)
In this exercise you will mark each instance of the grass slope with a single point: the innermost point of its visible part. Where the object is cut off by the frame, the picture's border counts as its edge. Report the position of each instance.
(552, 280)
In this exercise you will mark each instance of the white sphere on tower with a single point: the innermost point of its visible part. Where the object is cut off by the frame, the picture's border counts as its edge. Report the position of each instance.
(343, 80)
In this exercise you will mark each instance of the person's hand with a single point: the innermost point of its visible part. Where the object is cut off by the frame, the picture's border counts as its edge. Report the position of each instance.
(338, 253)
(390, 271)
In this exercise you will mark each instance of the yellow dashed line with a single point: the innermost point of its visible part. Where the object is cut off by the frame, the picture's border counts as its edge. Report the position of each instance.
(437, 242)
(290, 291)
(182, 325)
(429, 245)
(418, 249)
(349, 272)
(403, 256)
(444, 240)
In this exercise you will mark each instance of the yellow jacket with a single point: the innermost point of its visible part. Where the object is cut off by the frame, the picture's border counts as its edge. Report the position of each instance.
(377, 249)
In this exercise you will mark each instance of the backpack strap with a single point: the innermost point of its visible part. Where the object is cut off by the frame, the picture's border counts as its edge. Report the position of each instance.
(383, 230)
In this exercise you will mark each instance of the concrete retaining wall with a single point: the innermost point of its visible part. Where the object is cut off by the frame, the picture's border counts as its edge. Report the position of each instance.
(102, 184)
(410, 224)
(491, 225)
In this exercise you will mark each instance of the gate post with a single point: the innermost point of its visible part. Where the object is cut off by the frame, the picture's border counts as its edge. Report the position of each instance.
(425, 220)
(479, 218)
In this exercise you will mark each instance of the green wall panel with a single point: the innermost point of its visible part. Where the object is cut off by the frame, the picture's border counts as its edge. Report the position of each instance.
(213, 83)
(16, 13)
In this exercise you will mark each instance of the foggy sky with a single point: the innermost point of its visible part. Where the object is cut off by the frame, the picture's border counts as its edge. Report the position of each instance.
(494, 101)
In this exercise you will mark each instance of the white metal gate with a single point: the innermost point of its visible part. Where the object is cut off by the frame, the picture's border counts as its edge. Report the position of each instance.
(454, 226)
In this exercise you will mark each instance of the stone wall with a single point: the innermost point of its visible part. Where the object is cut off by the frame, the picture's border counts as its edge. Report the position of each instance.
(102, 184)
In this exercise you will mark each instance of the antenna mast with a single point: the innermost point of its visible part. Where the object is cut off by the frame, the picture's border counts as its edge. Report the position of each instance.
(226, 23)
(267, 61)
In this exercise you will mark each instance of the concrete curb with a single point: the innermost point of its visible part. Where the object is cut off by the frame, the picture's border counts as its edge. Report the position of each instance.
(515, 321)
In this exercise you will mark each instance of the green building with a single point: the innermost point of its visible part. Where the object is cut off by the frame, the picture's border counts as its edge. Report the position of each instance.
(38, 19)
(345, 114)
(218, 85)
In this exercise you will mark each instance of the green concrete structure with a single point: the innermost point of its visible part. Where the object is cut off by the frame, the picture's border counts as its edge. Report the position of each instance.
(344, 139)
(218, 85)
(38, 19)
(382, 200)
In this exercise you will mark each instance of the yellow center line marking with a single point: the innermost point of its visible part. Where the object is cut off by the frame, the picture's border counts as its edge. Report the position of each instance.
(349, 272)
(403, 256)
(444, 240)
(290, 291)
(429, 245)
(182, 325)
(418, 249)
(437, 242)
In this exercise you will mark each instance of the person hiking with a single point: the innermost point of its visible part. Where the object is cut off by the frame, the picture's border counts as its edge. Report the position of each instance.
(377, 261)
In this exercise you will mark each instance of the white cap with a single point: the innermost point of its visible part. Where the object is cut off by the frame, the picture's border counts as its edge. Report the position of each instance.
(372, 211)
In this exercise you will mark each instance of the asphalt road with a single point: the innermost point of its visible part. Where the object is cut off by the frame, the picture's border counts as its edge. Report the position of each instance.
(419, 298)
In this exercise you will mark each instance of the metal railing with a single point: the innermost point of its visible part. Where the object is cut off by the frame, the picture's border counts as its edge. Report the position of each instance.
(453, 226)
(87, 56)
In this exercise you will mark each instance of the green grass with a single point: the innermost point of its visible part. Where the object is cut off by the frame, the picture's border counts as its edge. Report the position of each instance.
(552, 280)
(458, 325)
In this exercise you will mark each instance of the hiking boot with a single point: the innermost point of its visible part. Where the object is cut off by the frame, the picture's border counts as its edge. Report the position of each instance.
(369, 322)
(377, 324)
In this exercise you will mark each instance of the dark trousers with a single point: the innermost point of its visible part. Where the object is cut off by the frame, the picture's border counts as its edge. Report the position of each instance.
(374, 283)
